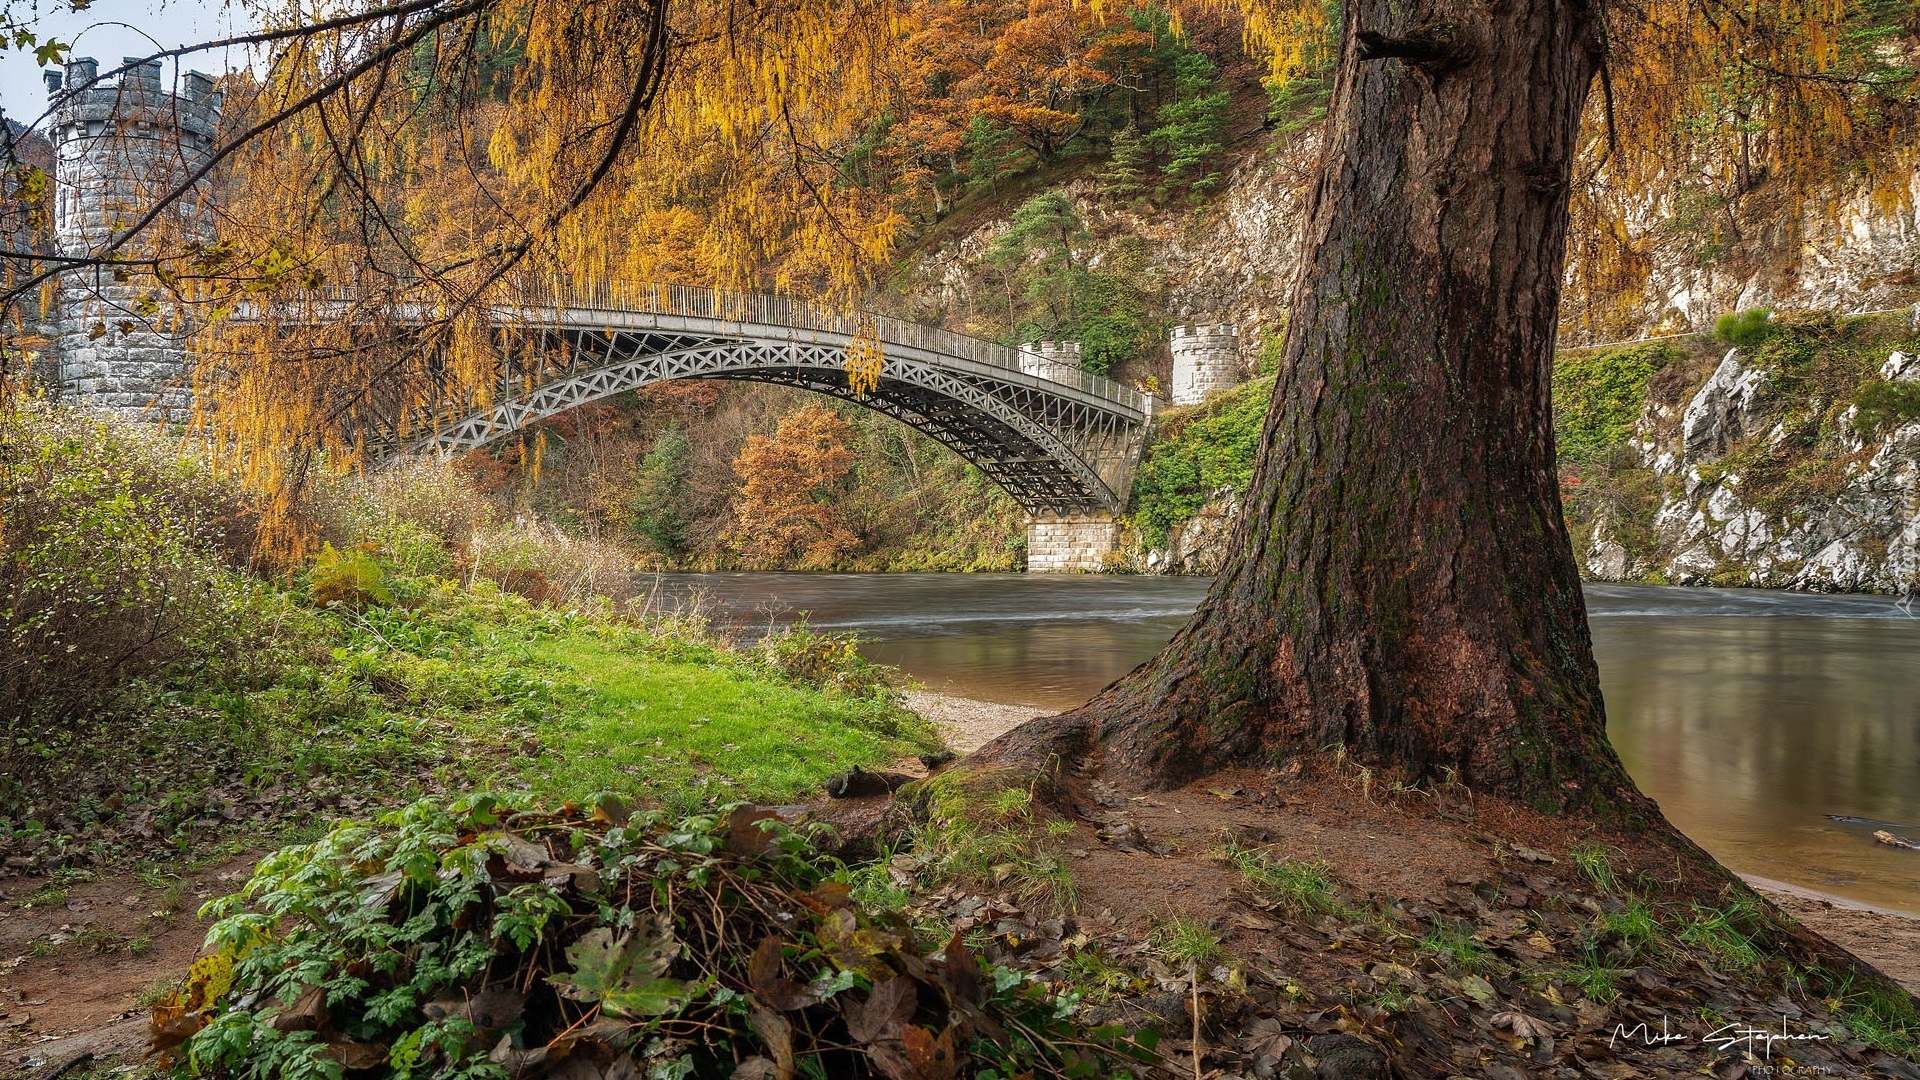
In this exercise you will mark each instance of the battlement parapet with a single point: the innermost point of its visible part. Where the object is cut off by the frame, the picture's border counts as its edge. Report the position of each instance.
(1202, 332)
(133, 105)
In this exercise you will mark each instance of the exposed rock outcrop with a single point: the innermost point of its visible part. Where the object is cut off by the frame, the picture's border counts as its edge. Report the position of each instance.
(1198, 546)
(1847, 251)
(1716, 526)
(1228, 261)
(1725, 410)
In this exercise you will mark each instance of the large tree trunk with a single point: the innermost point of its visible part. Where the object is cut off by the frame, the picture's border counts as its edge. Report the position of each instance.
(1402, 584)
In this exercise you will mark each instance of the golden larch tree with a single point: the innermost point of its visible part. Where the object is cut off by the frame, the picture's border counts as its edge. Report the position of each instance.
(790, 511)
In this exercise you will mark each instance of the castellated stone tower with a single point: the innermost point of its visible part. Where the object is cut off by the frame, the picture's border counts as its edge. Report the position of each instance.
(1206, 358)
(1056, 360)
(120, 145)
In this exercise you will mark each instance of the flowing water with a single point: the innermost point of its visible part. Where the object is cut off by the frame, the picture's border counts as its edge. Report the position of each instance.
(1756, 719)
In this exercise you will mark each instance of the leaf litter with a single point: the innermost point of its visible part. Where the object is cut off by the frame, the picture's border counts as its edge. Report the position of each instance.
(442, 940)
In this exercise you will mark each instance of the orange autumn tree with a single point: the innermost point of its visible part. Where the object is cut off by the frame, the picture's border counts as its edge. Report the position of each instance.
(789, 512)
(434, 154)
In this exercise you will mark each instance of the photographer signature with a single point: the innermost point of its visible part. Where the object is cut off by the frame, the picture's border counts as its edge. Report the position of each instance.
(1725, 1037)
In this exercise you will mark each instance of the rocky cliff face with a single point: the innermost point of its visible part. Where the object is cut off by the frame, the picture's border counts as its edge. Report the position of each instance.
(1228, 260)
(1829, 506)
(1766, 489)
(1197, 547)
(1848, 251)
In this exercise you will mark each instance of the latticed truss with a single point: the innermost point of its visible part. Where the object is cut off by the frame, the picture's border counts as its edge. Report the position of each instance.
(1058, 447)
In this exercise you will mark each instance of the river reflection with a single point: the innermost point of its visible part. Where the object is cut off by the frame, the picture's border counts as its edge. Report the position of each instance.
(1750, 716)
(1751, 731)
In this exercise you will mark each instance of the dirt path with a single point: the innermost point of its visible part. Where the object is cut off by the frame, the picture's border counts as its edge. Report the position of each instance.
(81, 956)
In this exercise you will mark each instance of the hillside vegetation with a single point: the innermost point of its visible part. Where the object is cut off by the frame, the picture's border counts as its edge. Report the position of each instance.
(1780, 452)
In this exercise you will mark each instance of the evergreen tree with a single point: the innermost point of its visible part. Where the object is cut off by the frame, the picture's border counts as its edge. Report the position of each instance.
(992, 152)
(660, 497)
(1036, 255)
(1126, 164)
(1192, 125)
(1059, 297)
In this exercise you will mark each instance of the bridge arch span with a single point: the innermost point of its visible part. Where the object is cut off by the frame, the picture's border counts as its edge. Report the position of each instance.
(1061, 442)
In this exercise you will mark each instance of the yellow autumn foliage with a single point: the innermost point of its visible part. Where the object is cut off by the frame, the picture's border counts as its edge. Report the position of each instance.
(401, 173)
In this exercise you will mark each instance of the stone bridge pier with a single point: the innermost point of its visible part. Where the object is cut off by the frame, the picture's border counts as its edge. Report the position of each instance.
(1071, 544)
(1205, 361)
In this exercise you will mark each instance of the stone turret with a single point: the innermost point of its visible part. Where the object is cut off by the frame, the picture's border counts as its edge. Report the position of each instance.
(120, 145)
(1055, 360)
(22, 147)
(1206, 358)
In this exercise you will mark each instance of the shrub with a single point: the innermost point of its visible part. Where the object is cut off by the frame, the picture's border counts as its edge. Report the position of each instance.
(352, 579)
(1196, 455)
(547, 564)
(1598, 395)
(114, 564)
(128, 639)
(476, 941)
(419, 515)
(1885, 405)
(826, 662)
(1744, 329)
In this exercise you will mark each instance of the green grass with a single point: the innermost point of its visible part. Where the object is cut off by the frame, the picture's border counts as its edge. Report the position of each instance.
(1595, 978)
(465, 688)
(1725, 934)
(48, 895)
(1881, 1016)
(982, 831)
(1637, 927)
(1304, 888)
(1187, 941)
(683, 734)
(1013, 802)
(1024, 861)
(1457, 952)
(1593, 861)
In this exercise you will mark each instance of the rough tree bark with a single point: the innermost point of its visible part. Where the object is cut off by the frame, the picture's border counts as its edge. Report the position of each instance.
(1402, 583)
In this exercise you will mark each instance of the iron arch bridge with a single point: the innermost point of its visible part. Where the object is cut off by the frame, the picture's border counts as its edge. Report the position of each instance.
(1060, 441)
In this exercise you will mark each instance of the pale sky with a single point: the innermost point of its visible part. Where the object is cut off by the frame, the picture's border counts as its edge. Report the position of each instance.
(109, 30)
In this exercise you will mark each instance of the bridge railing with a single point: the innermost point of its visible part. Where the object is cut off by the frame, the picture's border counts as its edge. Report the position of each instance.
(767, 309)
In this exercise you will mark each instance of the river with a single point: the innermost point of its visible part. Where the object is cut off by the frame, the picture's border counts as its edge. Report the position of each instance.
(1755, 718)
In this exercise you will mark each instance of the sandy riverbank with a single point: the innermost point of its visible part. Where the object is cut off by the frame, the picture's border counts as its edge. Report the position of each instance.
(969, 724)
(1888, 940)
